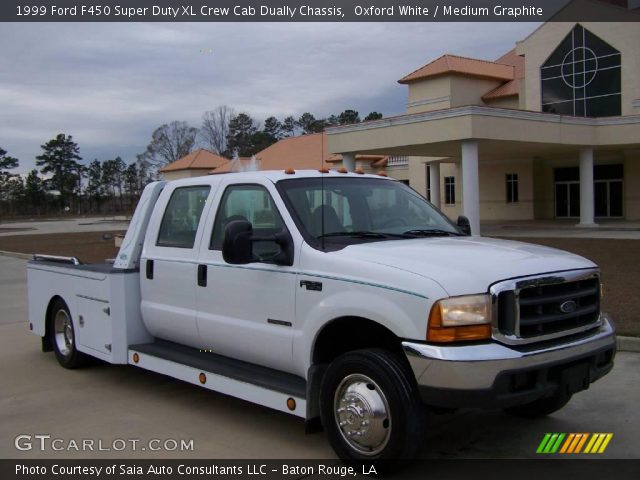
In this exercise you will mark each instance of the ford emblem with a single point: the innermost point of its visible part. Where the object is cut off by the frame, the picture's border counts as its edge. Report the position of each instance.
(568, 307)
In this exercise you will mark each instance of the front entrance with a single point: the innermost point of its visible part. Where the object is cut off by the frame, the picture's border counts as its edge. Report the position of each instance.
(608, 191)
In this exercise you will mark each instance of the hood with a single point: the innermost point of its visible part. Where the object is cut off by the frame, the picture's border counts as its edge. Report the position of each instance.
(466, 265)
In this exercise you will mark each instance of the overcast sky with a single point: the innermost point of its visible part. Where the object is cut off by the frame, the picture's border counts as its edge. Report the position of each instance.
(111, 84)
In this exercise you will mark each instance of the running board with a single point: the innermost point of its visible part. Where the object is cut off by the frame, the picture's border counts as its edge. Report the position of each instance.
(264, 386)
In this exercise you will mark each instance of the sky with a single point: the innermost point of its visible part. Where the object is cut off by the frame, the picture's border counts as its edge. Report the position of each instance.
(110, 85)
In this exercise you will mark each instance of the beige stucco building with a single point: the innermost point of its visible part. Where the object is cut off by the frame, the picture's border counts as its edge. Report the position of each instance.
(550, 130)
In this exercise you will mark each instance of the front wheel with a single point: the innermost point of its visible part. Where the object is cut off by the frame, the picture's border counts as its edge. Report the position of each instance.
(541, 407)
(63, 337)
(370, 407)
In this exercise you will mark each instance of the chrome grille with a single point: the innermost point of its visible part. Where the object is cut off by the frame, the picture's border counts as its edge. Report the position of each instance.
(546, 307)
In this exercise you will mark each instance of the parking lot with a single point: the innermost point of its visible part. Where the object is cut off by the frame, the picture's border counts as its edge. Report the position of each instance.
(105, 403)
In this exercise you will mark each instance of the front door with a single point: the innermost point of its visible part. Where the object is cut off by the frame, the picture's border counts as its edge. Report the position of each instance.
(247, 311)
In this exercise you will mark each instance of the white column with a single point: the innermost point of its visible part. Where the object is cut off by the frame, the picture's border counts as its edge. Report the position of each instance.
(471, 185)
(349, 161)
(586, 188)
(434, 183)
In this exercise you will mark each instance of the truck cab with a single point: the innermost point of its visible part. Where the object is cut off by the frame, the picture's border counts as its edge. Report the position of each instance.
(343, 298)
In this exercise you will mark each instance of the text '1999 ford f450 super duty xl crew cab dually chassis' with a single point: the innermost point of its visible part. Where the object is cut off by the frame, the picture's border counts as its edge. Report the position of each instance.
(345, 299)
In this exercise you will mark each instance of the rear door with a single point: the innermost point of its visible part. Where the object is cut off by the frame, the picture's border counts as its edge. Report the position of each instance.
(247, 311)
(168, 270)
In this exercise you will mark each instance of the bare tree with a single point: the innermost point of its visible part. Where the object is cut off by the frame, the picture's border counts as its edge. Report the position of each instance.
(170, 142)
(215, 128)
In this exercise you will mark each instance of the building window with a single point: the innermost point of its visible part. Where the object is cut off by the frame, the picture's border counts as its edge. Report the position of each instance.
(582, 77)
(450, 190)
(512, 188)
(427, 169)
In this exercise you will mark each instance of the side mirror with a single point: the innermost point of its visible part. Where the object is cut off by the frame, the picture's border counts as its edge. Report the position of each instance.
(464, 225)
(237, 245)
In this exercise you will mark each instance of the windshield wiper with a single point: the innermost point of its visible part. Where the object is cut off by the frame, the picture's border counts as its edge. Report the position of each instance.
(361, 234)
(426, 232)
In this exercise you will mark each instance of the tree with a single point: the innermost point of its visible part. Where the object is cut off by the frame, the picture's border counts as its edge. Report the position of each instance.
(348, 116)
(215, 129)
(34, 191)
(60, 159)
(170, 142)
(242, 129)
(7, 162)
(373, 116)
(308, 124)
(95, 188)
(273, 128)
(289, 127)
(131, 183)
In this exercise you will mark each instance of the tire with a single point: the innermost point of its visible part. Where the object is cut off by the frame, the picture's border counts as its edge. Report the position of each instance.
(541, 407)
(370, 407)
(63, 337)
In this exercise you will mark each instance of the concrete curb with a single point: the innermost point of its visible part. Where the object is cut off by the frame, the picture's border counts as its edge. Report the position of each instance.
(24, 256)
(628, 344)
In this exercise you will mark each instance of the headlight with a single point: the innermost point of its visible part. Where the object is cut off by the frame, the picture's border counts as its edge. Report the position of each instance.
(463, 318)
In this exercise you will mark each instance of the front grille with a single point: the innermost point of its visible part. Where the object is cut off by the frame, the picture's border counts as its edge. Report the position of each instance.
(536, 309)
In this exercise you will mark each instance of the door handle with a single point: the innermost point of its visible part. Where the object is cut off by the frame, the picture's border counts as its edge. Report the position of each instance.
(149, 267)
(202, 275)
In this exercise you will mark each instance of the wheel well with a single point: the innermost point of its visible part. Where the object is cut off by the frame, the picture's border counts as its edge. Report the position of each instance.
(353, 333)
(46, 341)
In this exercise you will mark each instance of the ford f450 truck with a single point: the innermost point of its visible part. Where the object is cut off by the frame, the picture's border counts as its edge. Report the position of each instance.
(345, 299)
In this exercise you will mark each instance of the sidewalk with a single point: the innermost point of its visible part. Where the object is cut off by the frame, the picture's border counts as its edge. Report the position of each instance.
(618, 229)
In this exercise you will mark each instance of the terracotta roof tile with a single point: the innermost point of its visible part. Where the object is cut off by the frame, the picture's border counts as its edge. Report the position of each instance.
(454, 64)
(510, 88)
(197, 160)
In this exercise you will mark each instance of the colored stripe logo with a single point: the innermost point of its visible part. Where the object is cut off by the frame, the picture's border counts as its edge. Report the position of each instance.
(574, 443)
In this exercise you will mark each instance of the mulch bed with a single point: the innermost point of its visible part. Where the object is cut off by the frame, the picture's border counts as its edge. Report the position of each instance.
(618, 259)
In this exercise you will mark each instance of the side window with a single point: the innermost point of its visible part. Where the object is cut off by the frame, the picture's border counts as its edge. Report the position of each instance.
(182, 216)
(246, 202)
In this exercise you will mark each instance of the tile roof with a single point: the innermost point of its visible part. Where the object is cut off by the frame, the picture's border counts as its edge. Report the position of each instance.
(510, 88)
(303, 152)
(453, 64)
(197, 160)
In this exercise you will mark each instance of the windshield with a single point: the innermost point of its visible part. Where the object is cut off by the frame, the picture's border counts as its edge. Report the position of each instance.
(350, 210)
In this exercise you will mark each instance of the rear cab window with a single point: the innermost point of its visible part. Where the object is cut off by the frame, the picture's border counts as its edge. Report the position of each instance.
(182, 216)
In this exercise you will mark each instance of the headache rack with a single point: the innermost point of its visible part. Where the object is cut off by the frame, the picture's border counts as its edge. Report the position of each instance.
(545, 307)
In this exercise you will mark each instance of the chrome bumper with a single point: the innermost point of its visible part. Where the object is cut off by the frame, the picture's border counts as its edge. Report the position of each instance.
(450, 375)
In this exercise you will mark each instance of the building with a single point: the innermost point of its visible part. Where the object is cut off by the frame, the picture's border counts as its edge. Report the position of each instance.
(550, 130)
(199, 162)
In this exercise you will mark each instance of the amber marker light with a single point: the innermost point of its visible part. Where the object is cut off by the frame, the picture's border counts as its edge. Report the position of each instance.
(382, 173)
(291, 404)
(289, 171)
(359, 171)
(136, 358)
(460, 319)
(203, 378)
(343, 170)
(323, 170)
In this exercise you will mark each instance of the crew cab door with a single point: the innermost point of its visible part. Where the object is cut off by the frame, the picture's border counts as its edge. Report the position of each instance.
(246, 311)
(168, 268)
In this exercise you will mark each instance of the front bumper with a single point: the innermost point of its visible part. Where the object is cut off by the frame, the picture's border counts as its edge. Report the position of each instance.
(493, 375)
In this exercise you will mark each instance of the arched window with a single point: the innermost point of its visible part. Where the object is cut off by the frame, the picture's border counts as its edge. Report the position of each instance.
(582, 77)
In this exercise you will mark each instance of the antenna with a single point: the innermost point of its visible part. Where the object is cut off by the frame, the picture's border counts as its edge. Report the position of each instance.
(322, 134)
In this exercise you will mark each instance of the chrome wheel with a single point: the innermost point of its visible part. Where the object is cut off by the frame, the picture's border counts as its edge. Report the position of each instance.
(63, 333)
(361, 412)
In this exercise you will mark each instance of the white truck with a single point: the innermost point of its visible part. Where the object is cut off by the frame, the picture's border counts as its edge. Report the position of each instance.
(345, 299)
